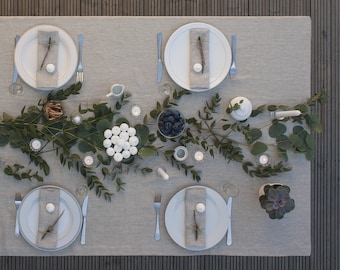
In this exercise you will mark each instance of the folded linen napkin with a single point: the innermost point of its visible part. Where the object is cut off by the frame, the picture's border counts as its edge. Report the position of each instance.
(199, 79)
(47, 54)
(193, 196)
(48, 195)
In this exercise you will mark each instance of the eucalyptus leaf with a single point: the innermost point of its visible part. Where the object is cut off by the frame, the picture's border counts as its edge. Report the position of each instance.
(103, 124)
(259, 148)
(276, 130)
(147, 151)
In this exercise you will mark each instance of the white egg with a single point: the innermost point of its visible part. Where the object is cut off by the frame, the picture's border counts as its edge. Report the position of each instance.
(126, 154)
(126, 146)
(115, 139)
(115, 130)
(118, 157)
(124, 135)
(133, 150)
(107, 143)
(131, 131)
(118, 148)
(107, 133)
(133, 140)
(110, 151)
(124, 127)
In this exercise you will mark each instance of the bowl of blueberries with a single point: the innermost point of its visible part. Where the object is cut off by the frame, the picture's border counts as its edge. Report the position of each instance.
(170, 123)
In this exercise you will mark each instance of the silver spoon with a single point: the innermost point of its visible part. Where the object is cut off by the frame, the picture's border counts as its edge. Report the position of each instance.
(15, 88)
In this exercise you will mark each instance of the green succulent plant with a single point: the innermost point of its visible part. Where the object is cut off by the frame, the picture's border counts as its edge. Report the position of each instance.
(276, 200)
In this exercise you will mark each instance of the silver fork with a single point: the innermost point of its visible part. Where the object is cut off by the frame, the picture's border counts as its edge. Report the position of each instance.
(157, 205)
(17, 201)
(80, 70)
(233, 70)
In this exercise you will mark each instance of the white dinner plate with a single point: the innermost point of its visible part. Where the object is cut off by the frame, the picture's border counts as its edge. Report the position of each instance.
(216, 218)
(26, 56)
(69, 225)
(177, 56)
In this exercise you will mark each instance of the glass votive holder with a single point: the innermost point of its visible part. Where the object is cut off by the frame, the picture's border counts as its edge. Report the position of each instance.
(136, 111)
(263, 159)
(77, 119)
(198, 155)
(88, 161)
(166, 89)
(35, 145)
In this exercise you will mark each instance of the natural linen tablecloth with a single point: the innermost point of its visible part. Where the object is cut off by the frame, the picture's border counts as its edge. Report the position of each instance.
(273, 60)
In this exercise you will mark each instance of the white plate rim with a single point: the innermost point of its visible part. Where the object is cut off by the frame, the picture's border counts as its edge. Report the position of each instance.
(215, 35)
(172, 224)
(64, 195)
(67, 58)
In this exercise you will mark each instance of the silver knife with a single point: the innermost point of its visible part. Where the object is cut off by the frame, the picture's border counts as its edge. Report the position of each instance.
(84, 212)
(15, 71)
(159, 52)
(229, 203)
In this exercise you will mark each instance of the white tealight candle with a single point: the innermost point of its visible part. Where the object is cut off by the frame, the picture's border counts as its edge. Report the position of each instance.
(263, 159)
(88, 161)
(200, 207)
(136, 111)
(199, 156)
(162, 173)
(50, 207)
(35, 144)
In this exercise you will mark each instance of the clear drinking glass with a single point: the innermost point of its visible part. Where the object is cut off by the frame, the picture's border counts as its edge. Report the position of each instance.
(229, 189)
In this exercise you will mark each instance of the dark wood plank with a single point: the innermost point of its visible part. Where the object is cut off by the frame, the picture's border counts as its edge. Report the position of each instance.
(325, 168)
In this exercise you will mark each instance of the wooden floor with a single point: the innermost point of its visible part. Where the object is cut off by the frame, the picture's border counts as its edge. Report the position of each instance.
(325, 168)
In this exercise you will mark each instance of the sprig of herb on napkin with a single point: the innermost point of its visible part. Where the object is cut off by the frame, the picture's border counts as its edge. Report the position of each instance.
(200, 46)
(196, 227)
(51, 227)
(48, 50)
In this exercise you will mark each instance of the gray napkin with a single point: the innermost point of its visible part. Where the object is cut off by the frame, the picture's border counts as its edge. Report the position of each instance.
(192, 197)
(199, 79)
(45, 79)
(48, 195)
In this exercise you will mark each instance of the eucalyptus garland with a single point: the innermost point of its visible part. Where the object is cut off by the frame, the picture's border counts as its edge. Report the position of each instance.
(210, 129)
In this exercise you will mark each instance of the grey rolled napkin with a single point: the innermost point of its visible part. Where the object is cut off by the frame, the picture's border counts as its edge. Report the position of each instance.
(199, 79)
(193, 196)
(48, 195)
(44, 78)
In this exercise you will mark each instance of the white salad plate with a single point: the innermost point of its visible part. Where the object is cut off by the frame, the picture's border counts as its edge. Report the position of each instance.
(216, 218)
(69, 225)
(26, 56)
(177, 56)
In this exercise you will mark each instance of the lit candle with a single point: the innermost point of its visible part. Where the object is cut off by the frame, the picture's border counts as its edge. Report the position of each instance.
(35, 144)
(198, 156)
(283, 114)
(136, 111)
(77, 119)
(162, 173)
(263, 159)
(88, 161)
